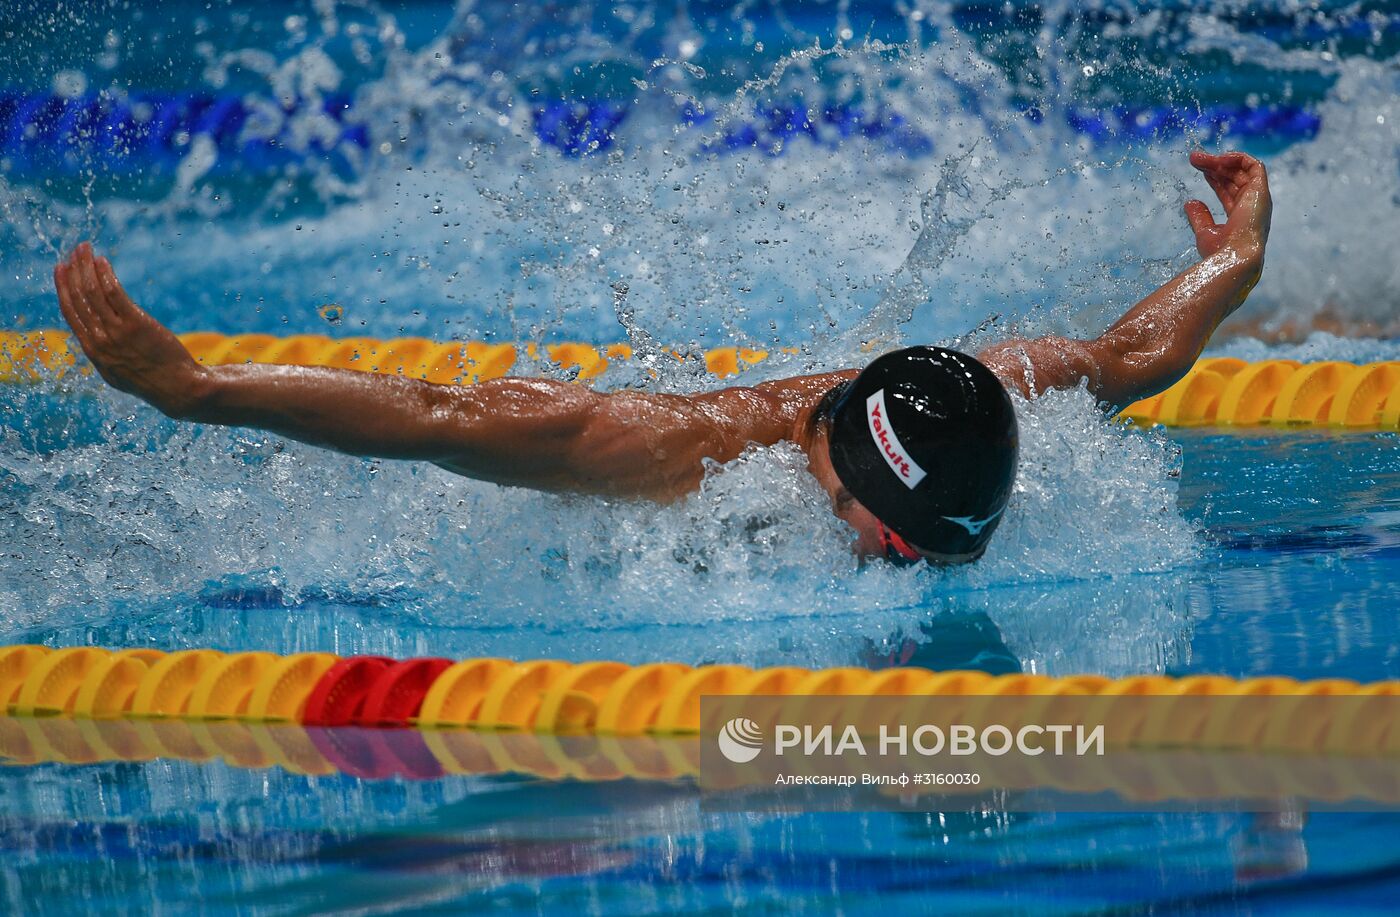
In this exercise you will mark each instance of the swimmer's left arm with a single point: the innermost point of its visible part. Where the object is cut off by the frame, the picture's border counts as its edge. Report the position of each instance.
(1160, 338)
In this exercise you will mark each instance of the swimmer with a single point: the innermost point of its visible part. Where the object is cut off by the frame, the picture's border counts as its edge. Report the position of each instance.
(917, 450)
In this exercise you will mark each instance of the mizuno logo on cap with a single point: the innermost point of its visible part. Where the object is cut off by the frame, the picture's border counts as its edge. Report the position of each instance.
(974, 526)
(904, 467)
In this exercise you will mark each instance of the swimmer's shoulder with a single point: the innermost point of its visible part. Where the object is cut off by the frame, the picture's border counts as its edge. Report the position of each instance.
(798, 398)
(781, 396)
(806, 391)
(766, 413)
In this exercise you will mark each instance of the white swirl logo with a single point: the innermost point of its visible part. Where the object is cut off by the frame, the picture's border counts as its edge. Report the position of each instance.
(740, 740)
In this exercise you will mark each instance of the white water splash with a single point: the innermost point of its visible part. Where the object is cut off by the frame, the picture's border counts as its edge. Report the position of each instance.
(148, 512)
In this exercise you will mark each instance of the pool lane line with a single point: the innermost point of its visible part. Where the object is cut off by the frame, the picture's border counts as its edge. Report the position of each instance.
(372, 717)
(544, 696)
(1217, 391)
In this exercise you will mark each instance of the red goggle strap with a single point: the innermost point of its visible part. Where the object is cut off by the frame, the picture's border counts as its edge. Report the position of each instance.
(901, 547)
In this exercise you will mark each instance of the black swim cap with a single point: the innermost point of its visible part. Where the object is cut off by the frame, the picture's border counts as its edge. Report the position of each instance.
(926, 439)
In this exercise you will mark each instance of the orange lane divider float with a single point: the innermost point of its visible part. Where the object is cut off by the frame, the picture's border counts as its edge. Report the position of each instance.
(375, 717)
(1217, 391)
(1229, 392)
(546, 696)
(29, 355)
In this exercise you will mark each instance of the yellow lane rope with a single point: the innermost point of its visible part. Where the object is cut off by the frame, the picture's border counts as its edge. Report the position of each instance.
(316, 713)
(1218, 390)
(543, 696)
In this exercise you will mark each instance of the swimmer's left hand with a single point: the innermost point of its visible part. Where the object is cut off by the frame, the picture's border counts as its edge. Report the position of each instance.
(1242, 184)
(130, 350)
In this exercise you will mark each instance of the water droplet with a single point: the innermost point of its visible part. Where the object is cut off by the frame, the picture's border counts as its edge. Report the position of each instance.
(70, 84)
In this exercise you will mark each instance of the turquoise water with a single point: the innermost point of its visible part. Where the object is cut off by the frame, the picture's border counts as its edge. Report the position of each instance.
(1023, 162)
(1301, 552)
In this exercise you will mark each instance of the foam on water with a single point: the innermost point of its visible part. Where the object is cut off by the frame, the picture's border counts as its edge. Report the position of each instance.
(1318, 346)
(118, 510)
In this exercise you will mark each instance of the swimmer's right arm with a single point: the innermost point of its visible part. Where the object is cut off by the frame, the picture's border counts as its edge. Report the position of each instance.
(1159, 339)
(535, 433)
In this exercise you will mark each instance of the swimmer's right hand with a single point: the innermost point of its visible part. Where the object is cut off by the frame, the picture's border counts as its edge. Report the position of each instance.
(132, 351)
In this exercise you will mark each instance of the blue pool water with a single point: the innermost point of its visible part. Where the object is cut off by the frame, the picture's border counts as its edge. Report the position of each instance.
(499, 172)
